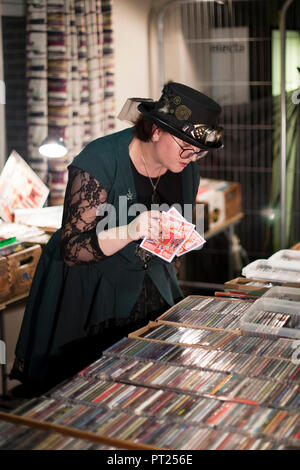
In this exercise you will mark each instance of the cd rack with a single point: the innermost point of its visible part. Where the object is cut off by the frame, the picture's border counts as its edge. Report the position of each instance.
(241, 364)
(181, 382)
(181, 408)
(206, 383)
(103, 442)
(215, 339)
(206, 312)
(254, 287)
(154, 430)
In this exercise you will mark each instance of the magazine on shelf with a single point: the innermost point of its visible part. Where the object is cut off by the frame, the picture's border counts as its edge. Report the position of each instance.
(20, 187)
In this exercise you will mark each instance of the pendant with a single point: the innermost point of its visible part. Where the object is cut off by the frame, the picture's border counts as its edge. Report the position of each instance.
(155, 199)
(129, 195)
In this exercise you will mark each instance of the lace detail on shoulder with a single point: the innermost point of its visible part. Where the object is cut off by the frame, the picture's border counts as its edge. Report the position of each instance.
(84, 195)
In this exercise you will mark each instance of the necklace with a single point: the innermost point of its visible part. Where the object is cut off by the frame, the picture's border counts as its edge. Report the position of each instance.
(154, 198)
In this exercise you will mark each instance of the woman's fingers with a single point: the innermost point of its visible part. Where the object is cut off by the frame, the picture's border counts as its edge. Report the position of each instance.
(154, 224)
(154, 231)
(147, 224)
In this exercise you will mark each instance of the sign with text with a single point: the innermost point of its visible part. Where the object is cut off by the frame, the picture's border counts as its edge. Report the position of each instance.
(229, 51)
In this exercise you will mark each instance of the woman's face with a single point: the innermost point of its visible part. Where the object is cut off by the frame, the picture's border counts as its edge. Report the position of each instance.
(167, 150)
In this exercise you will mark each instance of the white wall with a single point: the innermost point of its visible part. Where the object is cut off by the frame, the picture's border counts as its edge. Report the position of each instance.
(131, 52)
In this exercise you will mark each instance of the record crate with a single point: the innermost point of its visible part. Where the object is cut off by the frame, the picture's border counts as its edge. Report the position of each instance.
(285, 343)
(153, 325)
(17, 271)
(163, 317)
(241, 284)
(271, 317)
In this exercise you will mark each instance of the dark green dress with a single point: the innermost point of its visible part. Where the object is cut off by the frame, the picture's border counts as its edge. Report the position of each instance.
(66, 302)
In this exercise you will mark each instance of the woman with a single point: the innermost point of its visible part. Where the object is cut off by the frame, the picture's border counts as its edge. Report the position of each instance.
(94, 284)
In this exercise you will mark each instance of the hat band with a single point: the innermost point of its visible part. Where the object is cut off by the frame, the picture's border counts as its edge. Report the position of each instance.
(204, 133)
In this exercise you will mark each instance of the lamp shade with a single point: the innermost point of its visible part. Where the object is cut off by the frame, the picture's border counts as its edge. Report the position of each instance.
(52, 147)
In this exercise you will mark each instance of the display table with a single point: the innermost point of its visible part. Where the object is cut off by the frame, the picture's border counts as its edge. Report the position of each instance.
(187, 381)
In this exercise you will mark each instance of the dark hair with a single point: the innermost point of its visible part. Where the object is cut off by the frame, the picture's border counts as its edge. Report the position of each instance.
(143, 128)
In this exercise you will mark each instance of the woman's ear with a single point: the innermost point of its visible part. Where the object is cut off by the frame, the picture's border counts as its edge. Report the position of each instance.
(156, 133)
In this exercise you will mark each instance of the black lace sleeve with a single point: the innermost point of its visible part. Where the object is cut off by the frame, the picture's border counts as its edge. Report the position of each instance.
(79, 241)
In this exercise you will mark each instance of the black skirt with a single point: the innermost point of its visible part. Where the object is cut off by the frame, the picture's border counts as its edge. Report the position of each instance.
(74, 356)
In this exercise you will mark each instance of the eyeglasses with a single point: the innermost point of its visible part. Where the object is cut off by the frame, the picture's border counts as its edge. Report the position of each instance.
(189, 152)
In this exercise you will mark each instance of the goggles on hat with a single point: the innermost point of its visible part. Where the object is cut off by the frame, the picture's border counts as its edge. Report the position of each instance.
(205, 134)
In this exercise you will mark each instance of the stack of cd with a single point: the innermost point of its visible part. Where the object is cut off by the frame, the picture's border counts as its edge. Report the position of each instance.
(182, 408)
(207, 312)
(242, 364)
(213, 339)
(16, 437)
(188, 381)
(219, 385)
(143, 430)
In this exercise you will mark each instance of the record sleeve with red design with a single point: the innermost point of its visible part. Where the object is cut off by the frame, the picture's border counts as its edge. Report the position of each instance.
(174, 233)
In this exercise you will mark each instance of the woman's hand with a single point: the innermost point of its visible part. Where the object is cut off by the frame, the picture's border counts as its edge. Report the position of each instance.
(147, 224)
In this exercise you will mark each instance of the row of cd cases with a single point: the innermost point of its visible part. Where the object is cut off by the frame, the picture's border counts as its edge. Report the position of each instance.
(190, 380)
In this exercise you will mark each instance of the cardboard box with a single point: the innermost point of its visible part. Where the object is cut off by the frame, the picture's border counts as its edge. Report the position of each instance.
(223, 198)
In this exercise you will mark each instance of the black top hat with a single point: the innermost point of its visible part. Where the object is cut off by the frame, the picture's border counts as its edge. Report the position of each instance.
(186, 113)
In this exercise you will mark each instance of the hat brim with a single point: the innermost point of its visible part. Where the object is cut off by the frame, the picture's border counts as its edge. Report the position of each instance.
(146, 108)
